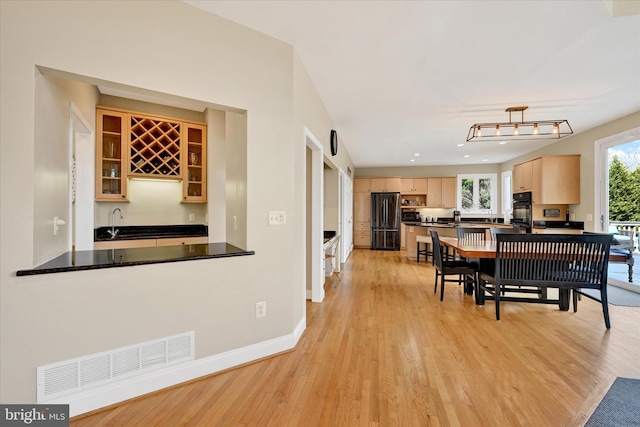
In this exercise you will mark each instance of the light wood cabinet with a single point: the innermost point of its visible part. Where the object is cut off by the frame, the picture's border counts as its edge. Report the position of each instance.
(362, 207)
(551, 179)
(388, 185)
(133, 144)
(441, 192)
(195, 159)
(410, 186)
(362, 212)
(362, 234)
(149, 243)
(177, 241)
(111, 156)
(523, 177)
(362, 185)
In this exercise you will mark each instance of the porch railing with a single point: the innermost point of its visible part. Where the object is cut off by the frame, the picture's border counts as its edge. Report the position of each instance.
(633, 227)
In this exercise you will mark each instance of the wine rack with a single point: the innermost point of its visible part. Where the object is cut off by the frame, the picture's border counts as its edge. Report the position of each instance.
(154, 147)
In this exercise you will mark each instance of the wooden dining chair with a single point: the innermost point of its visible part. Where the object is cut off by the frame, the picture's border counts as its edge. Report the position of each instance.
(428, 248)
(464, 270)
(502, 230)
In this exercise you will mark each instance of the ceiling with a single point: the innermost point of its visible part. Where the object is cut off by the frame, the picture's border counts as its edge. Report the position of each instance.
(406, 77)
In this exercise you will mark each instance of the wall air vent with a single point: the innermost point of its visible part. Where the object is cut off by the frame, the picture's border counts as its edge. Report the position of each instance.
(76, 375)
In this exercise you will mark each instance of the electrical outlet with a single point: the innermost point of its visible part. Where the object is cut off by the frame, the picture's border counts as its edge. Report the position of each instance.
(192, 217)
(261, 309)
(589, 217)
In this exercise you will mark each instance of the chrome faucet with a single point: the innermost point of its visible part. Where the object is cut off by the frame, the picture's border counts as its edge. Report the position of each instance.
(113, 232)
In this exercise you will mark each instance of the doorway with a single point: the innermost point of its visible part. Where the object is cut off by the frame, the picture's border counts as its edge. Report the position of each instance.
(615, 212)
(81, 181)
(314, 217)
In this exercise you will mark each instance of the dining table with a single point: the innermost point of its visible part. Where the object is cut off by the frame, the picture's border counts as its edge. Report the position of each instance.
(484, 252)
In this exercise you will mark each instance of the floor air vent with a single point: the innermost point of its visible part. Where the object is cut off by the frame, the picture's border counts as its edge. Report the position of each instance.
(76, 375)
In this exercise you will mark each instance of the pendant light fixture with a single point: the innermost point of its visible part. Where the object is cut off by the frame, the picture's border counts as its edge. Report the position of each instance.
(540, 129)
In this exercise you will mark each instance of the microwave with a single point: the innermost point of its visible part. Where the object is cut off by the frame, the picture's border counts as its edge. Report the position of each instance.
(410, 216)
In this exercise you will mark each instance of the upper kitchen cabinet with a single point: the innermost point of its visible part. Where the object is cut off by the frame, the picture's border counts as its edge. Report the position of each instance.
(195, 159)
(441, 192)
(133, 144)
(111, 156)
(551, 179)
(413, 186)
(388, 185)
(523, 177)
(362, 185)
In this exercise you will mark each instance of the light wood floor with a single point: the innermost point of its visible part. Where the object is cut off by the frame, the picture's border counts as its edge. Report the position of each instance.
(382, 350)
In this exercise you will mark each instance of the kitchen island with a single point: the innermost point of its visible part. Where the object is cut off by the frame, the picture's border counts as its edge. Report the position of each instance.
(109, 258)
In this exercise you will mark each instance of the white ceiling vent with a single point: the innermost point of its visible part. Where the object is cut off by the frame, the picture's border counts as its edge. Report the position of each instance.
(76, 375)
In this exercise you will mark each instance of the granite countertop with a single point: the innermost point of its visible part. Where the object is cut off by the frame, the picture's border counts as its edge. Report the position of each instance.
(133, 232)
(109, 258)
(571, 225)
(453, 225)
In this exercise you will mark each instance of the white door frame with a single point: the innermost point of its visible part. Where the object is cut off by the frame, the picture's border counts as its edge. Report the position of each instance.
(601, 186)
(346, 216)
(82, 149)
(317, 224)
(601, 176)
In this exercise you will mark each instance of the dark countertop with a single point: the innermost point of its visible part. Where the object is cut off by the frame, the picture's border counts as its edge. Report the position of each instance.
(452, 225)
(109, 258)
(571, 225)
(133, 232)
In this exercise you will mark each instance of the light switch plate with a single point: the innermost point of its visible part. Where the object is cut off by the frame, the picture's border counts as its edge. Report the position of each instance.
(277, 217)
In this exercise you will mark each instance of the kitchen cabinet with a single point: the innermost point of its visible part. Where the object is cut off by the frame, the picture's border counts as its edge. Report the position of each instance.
(362, 234)
(149, 243)
(551, 179)
(388, 185)
(410, 186)
(362, 185)
(441, 192)
(362, 219)
(111, 156)
(523, 177)
(195, 160)
(133, 144)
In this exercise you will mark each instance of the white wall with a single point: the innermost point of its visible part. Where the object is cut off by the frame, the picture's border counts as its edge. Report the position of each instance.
(49, 318)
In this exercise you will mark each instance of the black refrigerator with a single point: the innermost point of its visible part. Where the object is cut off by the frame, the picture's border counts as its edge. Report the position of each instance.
(385, 221)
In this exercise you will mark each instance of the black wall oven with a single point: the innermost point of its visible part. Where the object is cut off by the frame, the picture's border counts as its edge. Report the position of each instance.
(522, 210)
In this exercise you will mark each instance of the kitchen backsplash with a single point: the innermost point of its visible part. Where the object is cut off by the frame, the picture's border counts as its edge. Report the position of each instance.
(152, 203)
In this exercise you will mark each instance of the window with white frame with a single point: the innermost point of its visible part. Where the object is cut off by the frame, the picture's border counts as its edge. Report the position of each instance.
(477, 193)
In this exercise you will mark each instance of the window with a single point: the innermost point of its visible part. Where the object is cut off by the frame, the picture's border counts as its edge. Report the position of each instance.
(477, 193)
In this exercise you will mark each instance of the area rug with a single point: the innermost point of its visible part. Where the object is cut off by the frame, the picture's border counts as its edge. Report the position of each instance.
(617, 296)
(620, 407)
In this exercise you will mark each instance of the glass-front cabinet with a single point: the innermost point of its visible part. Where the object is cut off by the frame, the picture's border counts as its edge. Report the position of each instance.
(111, 156)
(130, 144)
(195, 159)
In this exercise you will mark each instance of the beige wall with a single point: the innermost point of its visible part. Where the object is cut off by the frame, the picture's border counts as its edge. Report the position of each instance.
(583, 144)
(49, 318)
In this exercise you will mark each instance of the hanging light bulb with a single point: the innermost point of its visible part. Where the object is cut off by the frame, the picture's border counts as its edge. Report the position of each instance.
(555, 128)
(515, 130)
(497, 129)
(535, 128)
(479, 131)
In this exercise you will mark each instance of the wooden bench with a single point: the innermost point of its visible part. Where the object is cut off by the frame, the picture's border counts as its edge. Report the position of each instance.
(568, 262)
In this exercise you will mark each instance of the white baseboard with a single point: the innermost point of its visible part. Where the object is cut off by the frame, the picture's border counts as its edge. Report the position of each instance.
(97, 398)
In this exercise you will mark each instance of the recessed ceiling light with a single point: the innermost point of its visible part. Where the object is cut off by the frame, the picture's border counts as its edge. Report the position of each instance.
(484, 160)
(417, 154)
(412, 160)
(466, 155)
(502, 143)
(460, 145)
